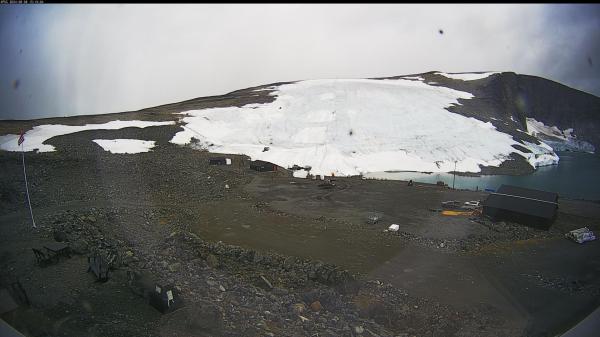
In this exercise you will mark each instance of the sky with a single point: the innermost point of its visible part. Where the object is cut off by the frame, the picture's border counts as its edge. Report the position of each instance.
(64, 59)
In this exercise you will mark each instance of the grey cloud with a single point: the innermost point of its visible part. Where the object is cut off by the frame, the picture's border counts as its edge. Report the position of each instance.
(84, 59)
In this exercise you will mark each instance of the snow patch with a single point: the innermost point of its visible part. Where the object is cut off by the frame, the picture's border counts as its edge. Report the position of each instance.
(559, 140)
(35, 137)
(542, 155)
(300, 173)
(467, 76)
(536, 128)
(418, 78)
(125, 145)
(349, 127)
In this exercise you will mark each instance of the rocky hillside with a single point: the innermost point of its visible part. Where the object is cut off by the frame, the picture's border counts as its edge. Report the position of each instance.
(506, 95)
(422, 122)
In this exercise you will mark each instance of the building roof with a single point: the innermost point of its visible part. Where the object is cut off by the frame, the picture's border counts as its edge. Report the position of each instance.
(523, 200)
(261, 163)
(529, 193)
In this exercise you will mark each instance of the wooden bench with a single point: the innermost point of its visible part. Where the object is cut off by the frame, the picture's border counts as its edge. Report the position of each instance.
(58, 249)
(51, 253)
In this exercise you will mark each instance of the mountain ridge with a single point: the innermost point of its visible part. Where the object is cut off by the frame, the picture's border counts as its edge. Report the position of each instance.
(506, 100)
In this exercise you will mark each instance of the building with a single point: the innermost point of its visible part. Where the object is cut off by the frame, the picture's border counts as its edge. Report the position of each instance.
(528, 207)
(263, 166)
(219, 161)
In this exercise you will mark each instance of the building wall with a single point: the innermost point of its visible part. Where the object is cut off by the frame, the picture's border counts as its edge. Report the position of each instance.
(498, 214)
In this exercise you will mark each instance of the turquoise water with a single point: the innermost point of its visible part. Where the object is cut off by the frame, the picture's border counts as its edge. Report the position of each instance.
(577, 176)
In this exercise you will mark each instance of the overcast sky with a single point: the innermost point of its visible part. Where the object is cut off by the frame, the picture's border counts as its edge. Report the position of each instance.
(62, 60)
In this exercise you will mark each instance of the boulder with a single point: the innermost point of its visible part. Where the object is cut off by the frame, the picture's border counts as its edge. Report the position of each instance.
(316, 306)
(212, 261)
(174, 267)
(59, 235)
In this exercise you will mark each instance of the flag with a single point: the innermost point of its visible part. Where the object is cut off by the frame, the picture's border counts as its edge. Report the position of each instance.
(21, 138)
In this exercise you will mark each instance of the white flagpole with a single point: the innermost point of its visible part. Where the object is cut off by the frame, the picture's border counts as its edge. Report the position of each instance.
(26, 187)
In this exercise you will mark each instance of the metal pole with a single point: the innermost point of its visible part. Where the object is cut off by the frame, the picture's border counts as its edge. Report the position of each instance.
(26, 186)
(454, 177)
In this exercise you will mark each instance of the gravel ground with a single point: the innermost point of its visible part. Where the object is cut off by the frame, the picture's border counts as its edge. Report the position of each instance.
(271, 255)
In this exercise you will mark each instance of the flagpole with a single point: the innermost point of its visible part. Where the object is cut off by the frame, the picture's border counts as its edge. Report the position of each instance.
(27, 187)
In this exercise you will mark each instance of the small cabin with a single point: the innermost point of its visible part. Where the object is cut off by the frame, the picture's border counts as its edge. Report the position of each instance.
(165, 299)
(526, 206)
(263, 166)
(219, 161)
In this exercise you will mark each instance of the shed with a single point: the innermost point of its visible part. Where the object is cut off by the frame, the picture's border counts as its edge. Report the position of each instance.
(219, 161)
(263, 166)
(526, 206)
(165, 298)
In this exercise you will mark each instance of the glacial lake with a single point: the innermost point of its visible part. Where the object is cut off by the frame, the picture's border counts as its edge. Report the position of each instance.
(577, 176)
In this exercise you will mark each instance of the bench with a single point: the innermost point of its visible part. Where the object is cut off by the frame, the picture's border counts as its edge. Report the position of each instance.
(51, 253)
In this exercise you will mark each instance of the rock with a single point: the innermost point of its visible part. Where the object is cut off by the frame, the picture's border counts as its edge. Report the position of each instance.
(359, 329)
(174, 267)
(221, 288)
(298, 308)
(212, 261)
(316, 306)
(369, 307)
(289, 262)
(91, 219)
(257, 257)
(128, 258)
(198, 262)
(59, 235)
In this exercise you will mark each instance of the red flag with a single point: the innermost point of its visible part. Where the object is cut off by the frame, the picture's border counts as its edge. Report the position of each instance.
(21, 138)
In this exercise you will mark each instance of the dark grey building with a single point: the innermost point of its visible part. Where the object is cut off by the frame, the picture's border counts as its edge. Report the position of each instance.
(526, 206)
(263, 166)
(219, 161)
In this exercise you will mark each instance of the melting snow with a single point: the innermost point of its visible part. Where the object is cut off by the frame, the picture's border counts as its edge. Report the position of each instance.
(418, 78)
(125, 145)
(563, 140)
(348, 127)
(542, 155)
(35, 137)
(300, 173)
(467, 76)
(535, 128)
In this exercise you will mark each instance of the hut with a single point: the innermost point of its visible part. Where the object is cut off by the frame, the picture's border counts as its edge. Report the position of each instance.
(165, 299)
(263, 166)
(526, 206)
(219, 161)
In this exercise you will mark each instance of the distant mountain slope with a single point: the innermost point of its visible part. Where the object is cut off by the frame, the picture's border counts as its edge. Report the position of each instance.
(348, 127)
(482, 122)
